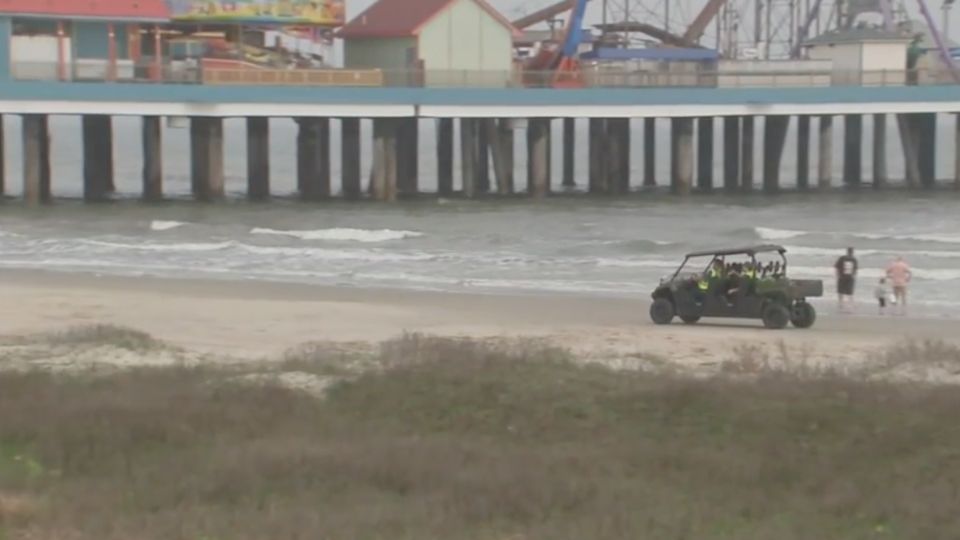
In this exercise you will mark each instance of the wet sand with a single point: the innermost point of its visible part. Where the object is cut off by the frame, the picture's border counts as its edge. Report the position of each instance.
(254, 319)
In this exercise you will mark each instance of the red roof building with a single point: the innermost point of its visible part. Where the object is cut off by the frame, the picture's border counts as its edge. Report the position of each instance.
(405, 18)
(100, 10)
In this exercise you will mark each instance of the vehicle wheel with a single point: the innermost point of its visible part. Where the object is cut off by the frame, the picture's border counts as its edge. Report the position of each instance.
(775, 317)
(804, 315)
(690, 319)
(661, 311)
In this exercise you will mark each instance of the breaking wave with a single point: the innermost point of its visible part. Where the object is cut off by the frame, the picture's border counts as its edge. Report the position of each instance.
(342, 234)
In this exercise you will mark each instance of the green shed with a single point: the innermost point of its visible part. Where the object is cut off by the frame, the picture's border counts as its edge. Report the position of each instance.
(432, 42)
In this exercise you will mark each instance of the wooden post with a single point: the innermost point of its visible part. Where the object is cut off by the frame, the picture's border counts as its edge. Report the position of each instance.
(483, 155)
(35, 151)
(908, 138)
(747, 153)
(650, 152)
(569, 150)
(681, 155)
(619, 137)
(3, 159)
(207, 156)
(774, 139)
(500, 134)
(258, 158)
(350, 158)
(384, 185)
(705, 153)
(97, 157)
(926, 125)
(61, 52)
(853, 150)
(152, 158)
(469, 150)
(445, 157)
(825, 168)
(599, 148)
(408, 166)
(313, 158)
(731, 153)
(538, 154)
(803, 152)
(879, 150)
(956, 151)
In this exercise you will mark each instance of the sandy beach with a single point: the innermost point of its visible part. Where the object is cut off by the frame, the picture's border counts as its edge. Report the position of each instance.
(258, 320)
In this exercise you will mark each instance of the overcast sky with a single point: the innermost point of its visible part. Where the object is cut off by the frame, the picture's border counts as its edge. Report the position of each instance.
(682, 11)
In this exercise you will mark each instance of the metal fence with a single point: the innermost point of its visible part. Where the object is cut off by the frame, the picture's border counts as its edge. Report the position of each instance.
(186, 72)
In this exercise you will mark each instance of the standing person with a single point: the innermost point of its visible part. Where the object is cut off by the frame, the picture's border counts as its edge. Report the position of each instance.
(846, 269)
(899, 274)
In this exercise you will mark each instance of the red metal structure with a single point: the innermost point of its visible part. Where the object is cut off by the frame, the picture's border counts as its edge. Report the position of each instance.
(99, 10)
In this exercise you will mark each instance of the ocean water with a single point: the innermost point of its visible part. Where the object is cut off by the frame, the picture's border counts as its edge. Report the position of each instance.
(565, 245)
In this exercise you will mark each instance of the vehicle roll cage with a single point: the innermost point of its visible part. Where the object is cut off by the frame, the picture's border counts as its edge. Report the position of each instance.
(721, 255)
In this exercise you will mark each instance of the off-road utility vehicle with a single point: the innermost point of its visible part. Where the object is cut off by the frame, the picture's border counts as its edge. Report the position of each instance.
(745, 283)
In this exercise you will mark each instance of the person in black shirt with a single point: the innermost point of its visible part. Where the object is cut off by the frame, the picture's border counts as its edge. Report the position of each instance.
(846, 269)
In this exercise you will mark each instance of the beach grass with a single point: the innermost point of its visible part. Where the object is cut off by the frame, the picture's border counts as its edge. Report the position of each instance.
(460, 439)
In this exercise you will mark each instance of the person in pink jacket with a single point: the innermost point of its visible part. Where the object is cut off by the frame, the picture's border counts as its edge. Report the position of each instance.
(899, 274)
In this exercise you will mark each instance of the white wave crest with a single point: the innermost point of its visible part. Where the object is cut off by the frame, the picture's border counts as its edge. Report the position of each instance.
(767, 233)
(342, 234)
(161, 225)
(196, 247)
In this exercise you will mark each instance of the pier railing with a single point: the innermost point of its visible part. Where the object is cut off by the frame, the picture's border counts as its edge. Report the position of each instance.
(187, 73)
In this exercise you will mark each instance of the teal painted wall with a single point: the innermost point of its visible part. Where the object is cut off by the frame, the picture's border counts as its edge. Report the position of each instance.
(756, 97)
(90, 40)
(5, 33)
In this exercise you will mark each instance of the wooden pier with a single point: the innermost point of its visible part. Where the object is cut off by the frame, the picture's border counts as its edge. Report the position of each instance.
(486, 148)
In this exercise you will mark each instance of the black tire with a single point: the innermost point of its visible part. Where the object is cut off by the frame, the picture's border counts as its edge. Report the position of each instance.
(662, 311)
(803, 315)
(775, 317)
(690, 319)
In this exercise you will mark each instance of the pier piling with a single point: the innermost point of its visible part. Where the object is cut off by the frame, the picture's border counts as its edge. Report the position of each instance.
(152, 127)
(825, 165)
(569, 147)
(926, 125)
(774, 140)
(483, 155)
(879, 150)
(956, 151)
(618, 139)
(3, 160)
(599, 159)
(502, 153)
(538, 154)
(383, 186)
(908, 140)
(731, 153)
(852, 150)
(681, 155)
(207, 158)
(469, 156)
(705, 153)
(747, 148)
(36, 159)
(97, 157)
(650, 152)
(803, 152)
(408, 152)
(445, 157)
(350, 158)
(313, 158)
(258, 158)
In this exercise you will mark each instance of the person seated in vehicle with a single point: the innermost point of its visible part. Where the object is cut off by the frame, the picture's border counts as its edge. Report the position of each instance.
(709, 280)
(733, 283)
(750, 277)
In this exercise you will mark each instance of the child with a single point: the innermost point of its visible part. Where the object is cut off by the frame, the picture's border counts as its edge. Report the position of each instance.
(882, 293)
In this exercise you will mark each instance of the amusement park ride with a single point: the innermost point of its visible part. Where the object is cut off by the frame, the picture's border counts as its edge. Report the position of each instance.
(744, 29)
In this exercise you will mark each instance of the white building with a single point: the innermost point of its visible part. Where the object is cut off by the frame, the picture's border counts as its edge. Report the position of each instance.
(866, 56)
